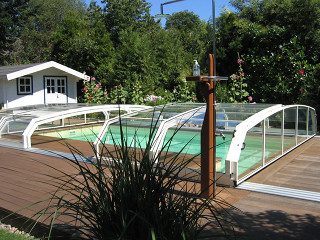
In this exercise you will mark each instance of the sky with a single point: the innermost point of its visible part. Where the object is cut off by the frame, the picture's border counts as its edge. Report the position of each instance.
(202, 8)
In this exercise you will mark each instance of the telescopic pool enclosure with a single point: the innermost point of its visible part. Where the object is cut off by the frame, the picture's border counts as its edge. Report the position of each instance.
(249, 137)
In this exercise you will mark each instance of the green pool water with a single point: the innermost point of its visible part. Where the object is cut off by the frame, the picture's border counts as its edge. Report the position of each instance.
(250, 157)
(187, 140)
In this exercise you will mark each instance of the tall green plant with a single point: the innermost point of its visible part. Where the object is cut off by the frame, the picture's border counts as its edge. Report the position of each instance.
(237, 88)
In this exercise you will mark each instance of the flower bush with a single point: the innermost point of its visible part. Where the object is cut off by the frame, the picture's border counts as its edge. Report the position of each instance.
(94, 92)
(152, 100)
(237, 92)
(118, 95)
(136, 94)
(182, 93)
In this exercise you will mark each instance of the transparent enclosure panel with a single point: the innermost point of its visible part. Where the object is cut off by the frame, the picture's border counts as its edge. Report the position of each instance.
(302, 124)
(186, 141)
(312, 125)
(53, 124)
(115, 113)
(290, 117)
(160, 113)
(222, 148)
(83, 133)
(134, 129)
(236, 113)
(168, 111)
(273, 144)
(251, 154)
(95, 117)
(80, 119)
(136, 133)
(15, 126)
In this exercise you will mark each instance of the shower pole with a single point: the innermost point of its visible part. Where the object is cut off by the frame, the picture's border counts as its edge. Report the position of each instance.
(208, 131)
(208, 139)
(214, 35)
(208, 135)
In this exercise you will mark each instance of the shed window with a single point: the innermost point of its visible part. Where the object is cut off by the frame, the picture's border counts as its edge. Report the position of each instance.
(24, 85)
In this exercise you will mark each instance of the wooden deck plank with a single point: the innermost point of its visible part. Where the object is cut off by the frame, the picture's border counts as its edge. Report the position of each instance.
(299, 169)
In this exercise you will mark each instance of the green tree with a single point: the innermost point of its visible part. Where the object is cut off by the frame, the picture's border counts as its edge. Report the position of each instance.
(28, 35)
(12, 17)
(299, 18)
(229, 42)
(84, 45)
(189, 29)
(126, 14)
(153, 58)
(134, 60)
(279, 41)
(172, 62)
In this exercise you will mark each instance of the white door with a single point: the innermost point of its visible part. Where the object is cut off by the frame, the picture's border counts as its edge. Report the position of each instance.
(55, 90)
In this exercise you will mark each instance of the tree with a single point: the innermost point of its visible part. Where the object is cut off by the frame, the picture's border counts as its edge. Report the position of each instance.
(189, 29)
(12, 17)
(28, 35)
(299, 18)
(279, 42)
(84, 45)
(126, 14)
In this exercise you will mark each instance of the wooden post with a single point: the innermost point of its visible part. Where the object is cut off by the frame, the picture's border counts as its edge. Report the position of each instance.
(208, 139)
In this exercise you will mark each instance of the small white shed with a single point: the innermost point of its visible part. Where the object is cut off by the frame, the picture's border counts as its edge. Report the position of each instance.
(38, 83)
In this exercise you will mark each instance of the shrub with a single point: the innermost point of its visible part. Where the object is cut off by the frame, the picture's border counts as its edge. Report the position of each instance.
(152, 100)
(237, 92)
(93, 92)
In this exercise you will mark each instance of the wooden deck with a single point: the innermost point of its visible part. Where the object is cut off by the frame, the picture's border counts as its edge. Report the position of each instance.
(264, 216)
(299, 169)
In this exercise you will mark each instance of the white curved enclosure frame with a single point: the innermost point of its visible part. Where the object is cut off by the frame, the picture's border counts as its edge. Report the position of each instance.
(252, 136)
(241, 131)
(160, 133)
(165, 125)
(105, 127)
(26, 136)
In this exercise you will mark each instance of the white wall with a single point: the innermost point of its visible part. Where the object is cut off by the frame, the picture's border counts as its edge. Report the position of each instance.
(37, 97)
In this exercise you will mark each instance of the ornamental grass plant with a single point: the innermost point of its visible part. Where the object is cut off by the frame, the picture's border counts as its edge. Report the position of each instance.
(123, 193)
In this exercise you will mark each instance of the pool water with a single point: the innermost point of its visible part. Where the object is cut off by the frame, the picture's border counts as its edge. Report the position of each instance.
(189, 141)
(138, 137)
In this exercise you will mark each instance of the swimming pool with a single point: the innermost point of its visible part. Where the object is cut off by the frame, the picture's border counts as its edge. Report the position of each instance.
(261, 133)
(138, 137)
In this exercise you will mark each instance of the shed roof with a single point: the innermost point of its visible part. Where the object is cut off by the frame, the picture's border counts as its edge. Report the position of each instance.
(15, 71)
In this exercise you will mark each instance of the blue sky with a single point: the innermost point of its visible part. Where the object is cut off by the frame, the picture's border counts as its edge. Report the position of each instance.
(203, 8)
